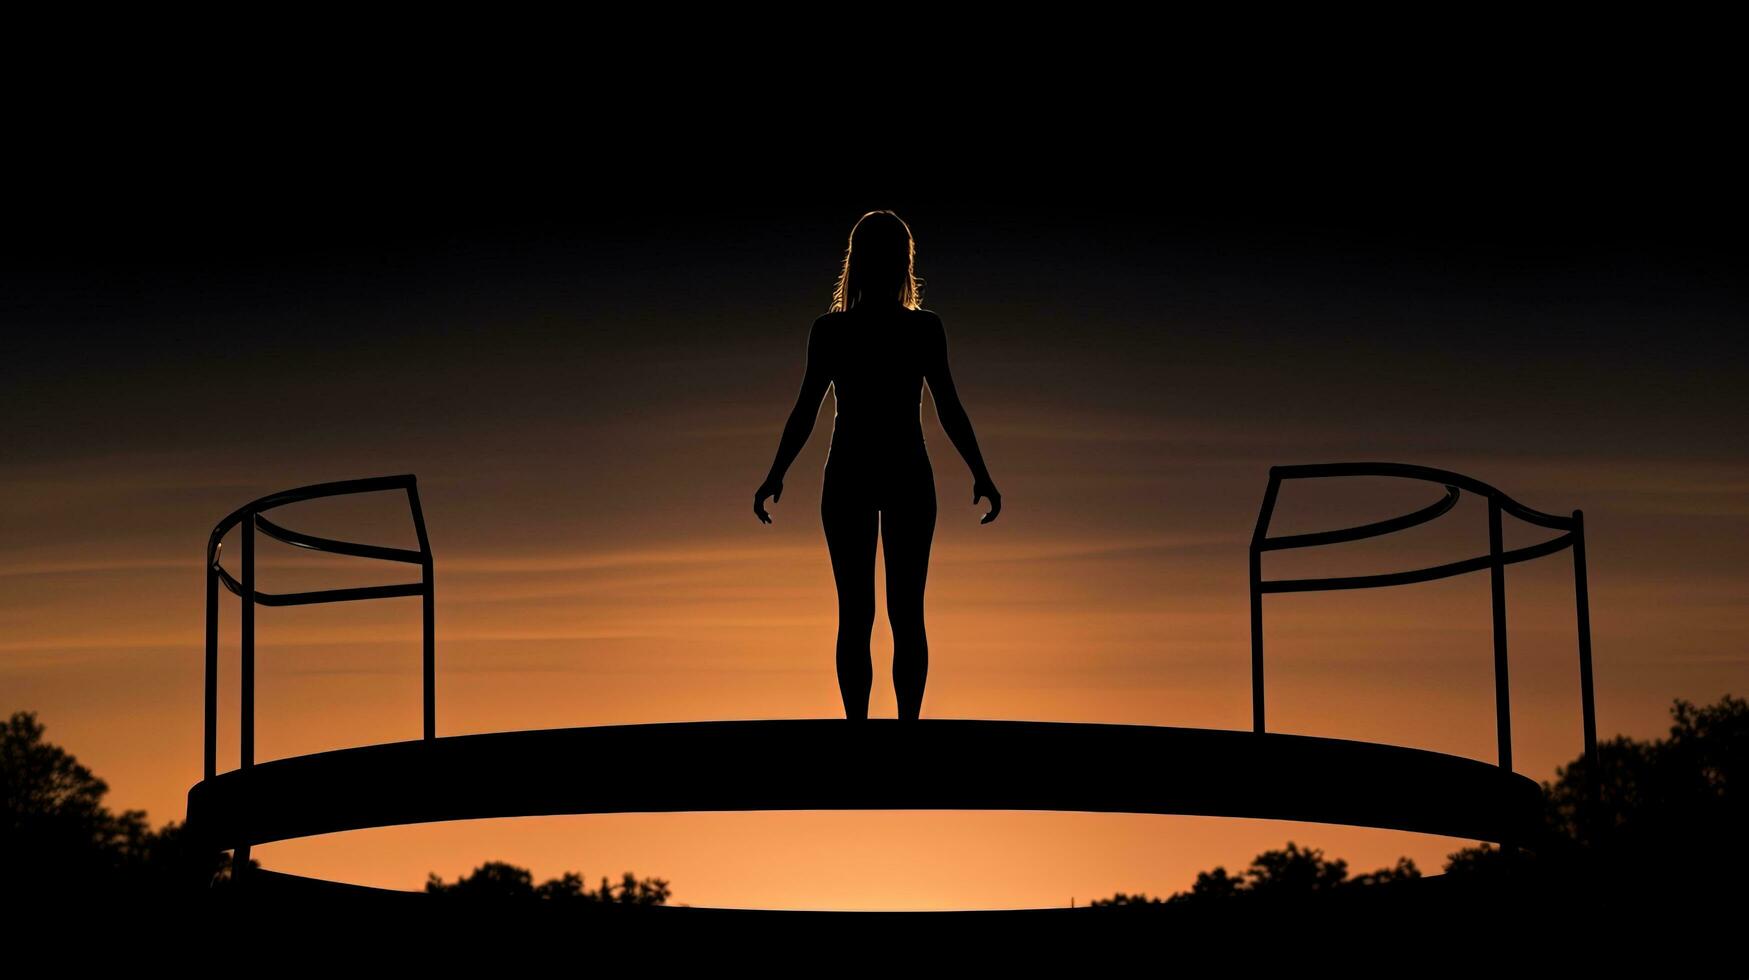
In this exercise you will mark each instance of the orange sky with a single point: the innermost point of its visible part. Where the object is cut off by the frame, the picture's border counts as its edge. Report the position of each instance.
(597, 562)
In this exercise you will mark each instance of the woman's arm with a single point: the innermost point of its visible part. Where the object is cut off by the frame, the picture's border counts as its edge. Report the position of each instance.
(815, 379)
(954, 419)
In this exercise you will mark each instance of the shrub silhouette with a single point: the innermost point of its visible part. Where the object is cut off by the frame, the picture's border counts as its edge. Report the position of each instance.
(499, 881)
(1650, 811)
(1290, 873)
(58, 839)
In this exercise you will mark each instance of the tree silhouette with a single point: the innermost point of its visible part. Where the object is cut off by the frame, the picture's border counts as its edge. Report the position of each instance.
(1648, 815)
(1403, 870)
(1139, 898)
(1293, 871)
(1646, 808)
(499, 881)
(1214, 884)
(1652, 796)
(57, 837)
(51, 811)
(1287, 874)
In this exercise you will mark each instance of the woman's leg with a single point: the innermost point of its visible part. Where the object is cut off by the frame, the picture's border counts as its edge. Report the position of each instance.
(851, 522)
(907, 528)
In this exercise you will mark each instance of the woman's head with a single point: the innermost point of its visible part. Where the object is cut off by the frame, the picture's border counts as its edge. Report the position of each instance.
(879, 264)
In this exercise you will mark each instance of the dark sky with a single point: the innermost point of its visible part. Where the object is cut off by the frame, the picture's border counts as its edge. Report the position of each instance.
(1504, 275)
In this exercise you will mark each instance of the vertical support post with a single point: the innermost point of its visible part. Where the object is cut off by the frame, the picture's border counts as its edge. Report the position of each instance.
(1259, 536)
(1502, 687)
(1256, 641)
(211, 745)
(430, 654)
(427, 596)
(1582, 603)
(246, 726)
(246, 672)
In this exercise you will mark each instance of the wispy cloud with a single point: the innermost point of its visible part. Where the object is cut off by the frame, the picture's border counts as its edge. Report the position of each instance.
(605, 560)
(94, 566)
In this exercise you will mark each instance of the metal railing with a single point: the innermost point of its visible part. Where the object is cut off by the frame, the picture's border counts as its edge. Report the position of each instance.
(249, 518)
(1495, 561)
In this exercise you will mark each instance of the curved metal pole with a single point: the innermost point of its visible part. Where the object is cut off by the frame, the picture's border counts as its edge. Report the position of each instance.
(296, 494)
(1412, 576)
(299, 539)
(323, 595)
(1361, 532)
(1429, 473)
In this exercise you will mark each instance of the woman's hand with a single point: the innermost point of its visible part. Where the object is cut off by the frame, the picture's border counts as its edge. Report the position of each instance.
(772, 488)
(984, 489)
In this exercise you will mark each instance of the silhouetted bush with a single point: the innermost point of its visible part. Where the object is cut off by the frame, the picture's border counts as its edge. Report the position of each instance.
(58, 839)
(498, 881)
(1670, 810)
(1291, 873)
(1671, 807)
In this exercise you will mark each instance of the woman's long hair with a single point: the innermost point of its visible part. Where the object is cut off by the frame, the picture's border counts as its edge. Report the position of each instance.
(881, 260)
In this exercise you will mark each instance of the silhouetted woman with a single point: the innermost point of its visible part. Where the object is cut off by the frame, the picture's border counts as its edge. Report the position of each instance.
(876, 349)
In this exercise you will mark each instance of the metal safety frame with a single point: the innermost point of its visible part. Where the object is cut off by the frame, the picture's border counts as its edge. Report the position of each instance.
(1495, 561)
(250, 518)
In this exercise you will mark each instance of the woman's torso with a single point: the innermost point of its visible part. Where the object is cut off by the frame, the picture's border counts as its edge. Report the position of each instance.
(876, 359)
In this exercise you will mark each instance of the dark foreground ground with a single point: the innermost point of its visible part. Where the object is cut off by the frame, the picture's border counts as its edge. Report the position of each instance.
(1422, 926)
